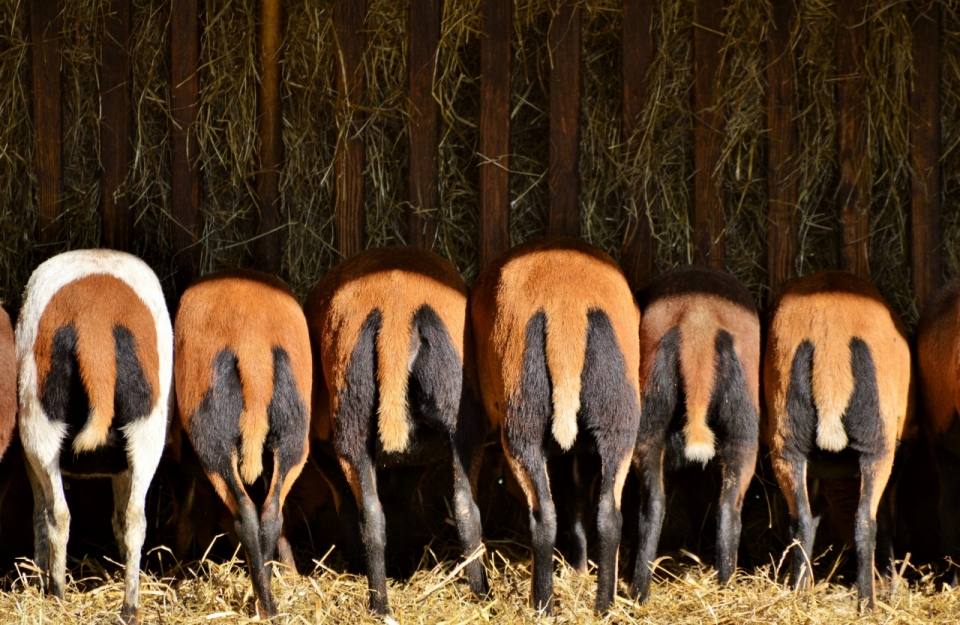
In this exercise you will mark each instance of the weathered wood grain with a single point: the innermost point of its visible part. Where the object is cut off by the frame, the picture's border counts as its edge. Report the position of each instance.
(782, 183)
(116, 125)
(267, 249)
(926, 240)
(184, 96)
(424, 122)
(45, 26)
(708, 217)
(564, 174)
(494, 129)
(636, 255)
(854, 192)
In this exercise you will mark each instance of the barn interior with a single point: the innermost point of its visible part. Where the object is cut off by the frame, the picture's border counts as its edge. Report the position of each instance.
(773, 138)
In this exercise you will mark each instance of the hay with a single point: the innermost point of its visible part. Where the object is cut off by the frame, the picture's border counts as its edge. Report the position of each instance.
(17, 211)
(686, 593)
(661, 167)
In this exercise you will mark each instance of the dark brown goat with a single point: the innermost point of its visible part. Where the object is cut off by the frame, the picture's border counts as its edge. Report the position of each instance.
(243, 374)
(837, 380)
(938, 353)
(389, 328)
(699, 347)
(557, 333)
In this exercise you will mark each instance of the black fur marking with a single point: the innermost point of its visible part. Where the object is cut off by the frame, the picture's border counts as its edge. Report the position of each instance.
(287, 415)
(662, 395)
(436, 379)
(862, 420)
(608, 403)
(132, 396)
(732, 415)
(531, 407)
(215, 426)
(359, 396)
(64, 399)
(801, 412)
(697, 279)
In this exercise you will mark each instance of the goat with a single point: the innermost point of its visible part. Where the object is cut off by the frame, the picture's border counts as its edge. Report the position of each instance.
(94, 349)
(938, 356)
(8, 383)
(558, 349)
(243, 374)
(699, 348)
(838, 389)
(389, 327)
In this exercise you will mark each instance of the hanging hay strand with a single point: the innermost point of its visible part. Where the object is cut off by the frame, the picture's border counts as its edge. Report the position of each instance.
(18, 221)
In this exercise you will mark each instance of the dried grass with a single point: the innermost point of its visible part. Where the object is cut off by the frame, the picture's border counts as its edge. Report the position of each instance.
(687, 593)
(661, 167)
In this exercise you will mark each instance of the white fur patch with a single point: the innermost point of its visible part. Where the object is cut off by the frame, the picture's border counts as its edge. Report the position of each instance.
(699, 452)
(40, 437)
(830, 434)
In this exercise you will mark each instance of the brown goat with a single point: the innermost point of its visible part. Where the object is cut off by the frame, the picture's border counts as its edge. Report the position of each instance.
(8, 382)
(389, 328)
(938, 353)
(699, 347)
(557, 333)
(837, 380)
(243, 377)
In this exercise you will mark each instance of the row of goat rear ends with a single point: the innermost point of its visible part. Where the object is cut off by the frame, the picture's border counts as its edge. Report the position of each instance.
(553, 350)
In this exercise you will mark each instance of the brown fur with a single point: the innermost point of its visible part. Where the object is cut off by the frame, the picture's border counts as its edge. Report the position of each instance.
(263, 314)
(8, 381)
(699, 317)
(533, 277)
(828, 309)
(938, 356)
(94, 305)
(339, 305)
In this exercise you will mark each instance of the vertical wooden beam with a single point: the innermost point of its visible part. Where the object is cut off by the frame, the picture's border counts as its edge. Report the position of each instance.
(494, 128)
(116, 125)
(636, 255)
(185, 95)
(854, 195)
(424, 122)
(926, 230)
(45, 24)
(782, 241)
(348, 18)
(267, 248)
(708, 217)
(564, 42)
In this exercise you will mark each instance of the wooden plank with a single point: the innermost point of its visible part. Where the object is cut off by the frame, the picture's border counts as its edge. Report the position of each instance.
(116, 125)
(782, 244)
(45, 25)
(348, 18)
(184, 95)
(854, 194)
(267, 248)
(494, 128)
(636, 255)
(424, 122)
(564, 42)
(926, 228)
(708, 217)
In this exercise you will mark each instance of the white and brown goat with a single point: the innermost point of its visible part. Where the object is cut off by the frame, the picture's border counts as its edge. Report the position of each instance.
(938, 355)
(557, 332)
(243, 377)
(94, 348)
(699, 350)
(389, 327)
(837, 378)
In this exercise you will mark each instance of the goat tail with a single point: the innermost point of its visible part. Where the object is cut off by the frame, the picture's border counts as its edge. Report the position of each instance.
(394, 359)
(566, 348)
(698, 371)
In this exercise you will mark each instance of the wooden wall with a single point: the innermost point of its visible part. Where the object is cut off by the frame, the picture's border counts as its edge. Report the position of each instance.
(565, 47)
